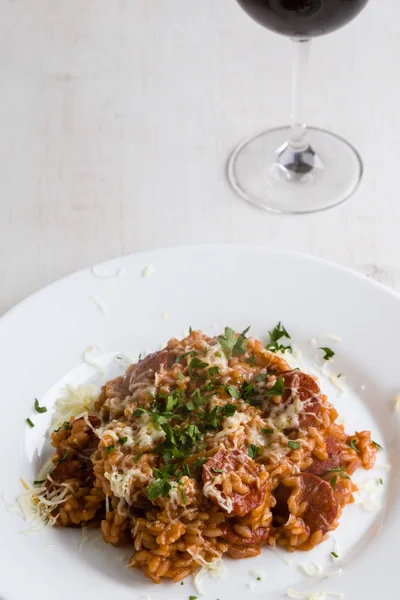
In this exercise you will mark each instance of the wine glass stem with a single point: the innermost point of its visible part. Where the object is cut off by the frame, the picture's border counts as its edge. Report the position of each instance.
(300, 55)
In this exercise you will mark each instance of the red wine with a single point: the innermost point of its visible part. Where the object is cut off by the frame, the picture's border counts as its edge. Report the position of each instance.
(303, 18)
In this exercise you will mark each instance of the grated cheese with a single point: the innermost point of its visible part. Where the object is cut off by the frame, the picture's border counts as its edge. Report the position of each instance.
(257, 574)
(214, 569)
(73, 401)
(291, 593)
(337, 383)
(282, 556)
(369, 495)
(335, 338)
(89, 361)
(100, 304)
(147, 271)
(121, 483)
(97, 272)
(396, 401)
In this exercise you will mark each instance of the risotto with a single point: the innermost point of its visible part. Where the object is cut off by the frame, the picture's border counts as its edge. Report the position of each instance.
(211, 446)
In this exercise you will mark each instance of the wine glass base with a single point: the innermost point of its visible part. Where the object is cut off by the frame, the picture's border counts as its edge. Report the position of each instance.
(257, 176)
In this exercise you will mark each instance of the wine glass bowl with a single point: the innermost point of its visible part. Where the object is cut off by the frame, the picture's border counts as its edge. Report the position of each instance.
(296, 169)
(302, 18)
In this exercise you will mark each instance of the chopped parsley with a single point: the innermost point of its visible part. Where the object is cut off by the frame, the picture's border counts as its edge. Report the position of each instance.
(267, 430)
(196, 363)
(38, 481)
(30, 423)
(231, 344)
(275, 335)
(253, 451)
(278, 388)
(122, 441)
(339, 470)
(39, 409)
(217, 470)
(258, 578)
(190, 330)
(353, 445)
(212, 371)
(180, 376)
(138, 457)
(192, 597)
(110, 449)
(230, 409)
(377, 445)
(380, 480)
(139, 412)
(333, 482)
(199, 462)
(251, 361)
(334, 555)
(233, 391)
(160, 487)
(329, 353)
(293, 445)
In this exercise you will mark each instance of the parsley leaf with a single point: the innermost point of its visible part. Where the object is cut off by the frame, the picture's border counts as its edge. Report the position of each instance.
(267, 430)
(328, 352)
(275, 335)
(293, 445)
(230, 409)
(278, 388)
(122, 441)
(353, 445)
(160, 487)
(217, 470)
(213, 371)
(339, 470)
(335, 555)
(232, 344)
(39, 409)
(38, 481)
(30, 423)
(233, 391)
(196, 363)
(333, 482)
(139, 412)
(110, 449)
(377, 445)
(253, 451)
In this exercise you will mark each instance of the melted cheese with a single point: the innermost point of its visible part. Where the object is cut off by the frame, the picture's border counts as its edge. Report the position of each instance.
(121, 484)
(149, 433)
(210, 491)
(73, 401)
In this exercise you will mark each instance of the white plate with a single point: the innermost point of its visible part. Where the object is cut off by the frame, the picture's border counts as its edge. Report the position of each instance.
(208, 287)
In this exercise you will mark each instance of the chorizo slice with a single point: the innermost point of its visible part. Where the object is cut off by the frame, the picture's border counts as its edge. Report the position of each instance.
(305, 388)
(321, 508)
(334, 450)
(232, 481)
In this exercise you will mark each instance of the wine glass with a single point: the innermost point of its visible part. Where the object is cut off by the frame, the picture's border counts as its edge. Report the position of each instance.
(295, 169)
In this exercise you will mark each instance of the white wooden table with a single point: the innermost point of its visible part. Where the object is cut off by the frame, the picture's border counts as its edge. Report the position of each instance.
(117, 117)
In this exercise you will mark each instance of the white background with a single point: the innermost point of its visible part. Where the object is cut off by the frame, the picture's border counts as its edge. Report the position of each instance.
(117, 117)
